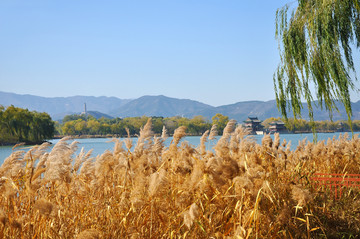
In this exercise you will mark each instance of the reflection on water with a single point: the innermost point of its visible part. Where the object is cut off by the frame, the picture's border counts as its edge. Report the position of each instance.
(99, 145)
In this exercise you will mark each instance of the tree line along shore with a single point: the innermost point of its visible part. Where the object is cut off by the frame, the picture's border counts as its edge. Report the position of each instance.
(88, 126)
(31, 127)
(21, 125)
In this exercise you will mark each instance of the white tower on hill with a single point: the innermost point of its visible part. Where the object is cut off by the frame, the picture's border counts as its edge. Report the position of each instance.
(84, 112)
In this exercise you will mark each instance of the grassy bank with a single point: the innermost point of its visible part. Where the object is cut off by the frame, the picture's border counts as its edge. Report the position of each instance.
(241, 190)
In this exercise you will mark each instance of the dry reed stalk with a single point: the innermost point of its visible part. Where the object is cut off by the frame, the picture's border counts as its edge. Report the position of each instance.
(203, 140)
(145, 135)
(222, 146)
(88, 168)
(191, 215)
(164, 134)
(240, 141)
(81, 158)
(128, 141)
(13, 164)
(104, 167)
(58, 163)
(300, 195)
(179, 133)
(158, 145)
(276, 143)
(17, 145)
(267, 141)
(156, 180)
(229, 128)
(213, 132)
(118, 148)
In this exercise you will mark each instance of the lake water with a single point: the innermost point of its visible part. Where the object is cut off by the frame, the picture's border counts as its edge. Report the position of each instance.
(99, 145)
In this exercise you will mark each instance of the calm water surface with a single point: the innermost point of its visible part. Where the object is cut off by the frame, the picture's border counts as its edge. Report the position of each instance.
(99, 145)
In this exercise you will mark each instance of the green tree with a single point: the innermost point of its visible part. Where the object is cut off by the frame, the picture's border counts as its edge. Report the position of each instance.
(74, 117)
(6, 135)
(42, 127)
(22, 125)
(198, 125)
(356, 125)
(266, 123)
(315, 44)
(68, 128)
(93, 126)
(221, 121)
(80, 126)
(157, 124)
(105, 128)
(171, 124)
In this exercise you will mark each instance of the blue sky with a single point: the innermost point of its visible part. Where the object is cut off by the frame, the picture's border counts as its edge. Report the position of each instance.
(216, 52)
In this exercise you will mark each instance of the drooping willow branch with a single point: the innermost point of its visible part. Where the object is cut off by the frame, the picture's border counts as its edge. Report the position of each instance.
(316, 39)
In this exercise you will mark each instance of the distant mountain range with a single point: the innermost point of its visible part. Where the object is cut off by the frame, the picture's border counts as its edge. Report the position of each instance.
(58, 107)
(160, 105)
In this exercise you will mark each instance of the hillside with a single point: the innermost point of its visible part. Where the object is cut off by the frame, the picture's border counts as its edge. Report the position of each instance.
(160, 106)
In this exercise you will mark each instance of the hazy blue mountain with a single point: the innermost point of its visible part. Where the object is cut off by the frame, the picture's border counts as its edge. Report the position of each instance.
(58, 107)
(322, 114)
(266, 109)
(241, 110)
(356, 110)
(160, 106)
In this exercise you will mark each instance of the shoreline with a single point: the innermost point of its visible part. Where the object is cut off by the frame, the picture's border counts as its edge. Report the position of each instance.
(23, 143)
(109, 136)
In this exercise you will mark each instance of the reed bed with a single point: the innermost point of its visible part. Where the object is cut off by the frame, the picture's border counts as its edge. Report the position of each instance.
(240, 189)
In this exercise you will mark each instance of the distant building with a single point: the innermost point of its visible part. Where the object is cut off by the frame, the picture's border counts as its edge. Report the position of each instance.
(253, 124)
(277, 127)
(340, 127)
(85, 111)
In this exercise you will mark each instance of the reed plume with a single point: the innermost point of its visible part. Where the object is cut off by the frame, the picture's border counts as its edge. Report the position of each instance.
(300, 195)
(156, 180)
(81, 158)
(179, 133)
(145, 132)
(158, 145)
(58, 163)
(267, 141)
(191, 215)
(128, 141)
(222, 146)
(164, 134)
(44, 207)
(203, 140)
(13, 165)
(213, 132)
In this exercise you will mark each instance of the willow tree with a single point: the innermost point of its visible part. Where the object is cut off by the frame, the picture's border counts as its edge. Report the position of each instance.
(316, 39)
